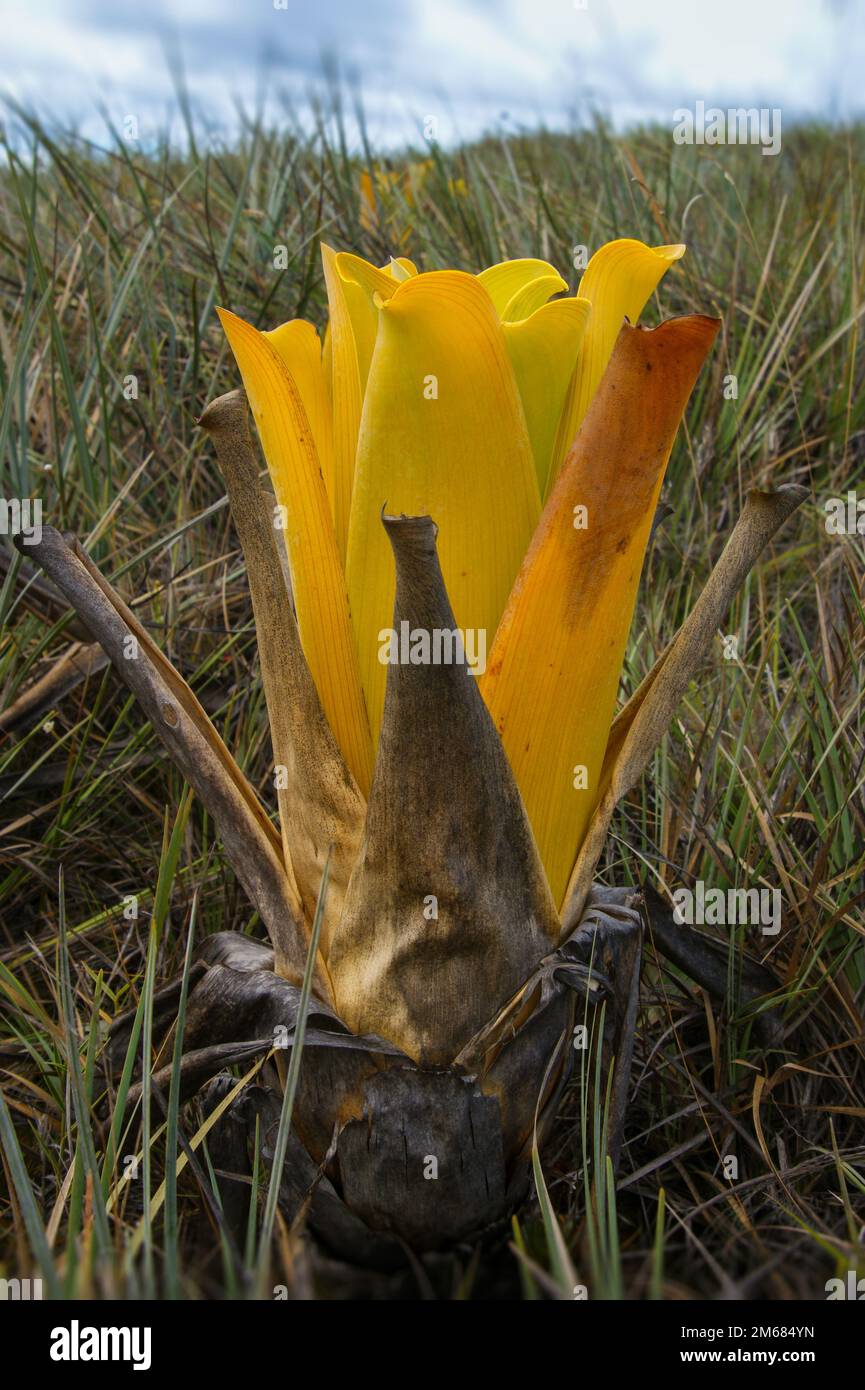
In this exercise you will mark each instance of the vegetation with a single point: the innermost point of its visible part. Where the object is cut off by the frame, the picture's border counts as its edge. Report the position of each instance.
(113, 261)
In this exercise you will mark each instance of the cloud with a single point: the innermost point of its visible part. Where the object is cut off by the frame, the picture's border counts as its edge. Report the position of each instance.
(467, 61)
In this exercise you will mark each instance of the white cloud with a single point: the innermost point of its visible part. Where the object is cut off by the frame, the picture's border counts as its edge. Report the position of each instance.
(468, 60)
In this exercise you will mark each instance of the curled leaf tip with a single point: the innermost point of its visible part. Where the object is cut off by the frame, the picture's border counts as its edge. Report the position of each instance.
(410, 532)
(618, 281)
(223, 411)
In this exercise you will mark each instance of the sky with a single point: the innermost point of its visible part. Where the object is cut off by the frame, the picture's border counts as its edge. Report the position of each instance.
(472, 65)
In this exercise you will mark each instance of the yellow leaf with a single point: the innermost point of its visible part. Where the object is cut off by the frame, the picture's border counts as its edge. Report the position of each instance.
(316, 573)
(618, 281)
(350, 312)
(364, 286)
(554, 669)
(327, 370)
(353, 286)
(377, 284)
(443, 433)
(543, 350)
(299, 346)
(530, 298)
(509, 279)
(401, 268)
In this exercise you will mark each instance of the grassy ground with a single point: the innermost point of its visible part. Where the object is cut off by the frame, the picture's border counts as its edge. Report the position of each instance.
(112, 262)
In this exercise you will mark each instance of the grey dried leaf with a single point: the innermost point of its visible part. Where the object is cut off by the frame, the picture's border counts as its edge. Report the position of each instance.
(252, 844)
(444, 821)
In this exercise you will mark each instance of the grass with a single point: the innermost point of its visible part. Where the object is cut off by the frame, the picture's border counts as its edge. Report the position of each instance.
(112, 262)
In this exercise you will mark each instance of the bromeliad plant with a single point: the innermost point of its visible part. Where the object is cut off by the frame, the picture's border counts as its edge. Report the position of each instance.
(469, 455)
